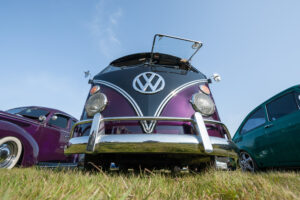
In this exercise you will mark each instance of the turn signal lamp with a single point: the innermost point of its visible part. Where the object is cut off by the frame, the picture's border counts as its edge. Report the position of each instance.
(94, 89)
(204, 89)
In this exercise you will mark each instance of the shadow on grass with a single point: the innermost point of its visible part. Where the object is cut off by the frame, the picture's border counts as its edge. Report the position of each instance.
(141, 172)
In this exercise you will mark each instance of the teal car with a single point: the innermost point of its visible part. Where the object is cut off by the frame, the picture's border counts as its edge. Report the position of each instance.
(269, 137)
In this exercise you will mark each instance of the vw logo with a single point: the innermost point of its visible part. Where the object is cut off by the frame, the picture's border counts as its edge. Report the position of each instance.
(148, 83)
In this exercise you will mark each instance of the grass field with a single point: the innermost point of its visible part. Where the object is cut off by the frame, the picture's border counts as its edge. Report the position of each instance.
(33, 183)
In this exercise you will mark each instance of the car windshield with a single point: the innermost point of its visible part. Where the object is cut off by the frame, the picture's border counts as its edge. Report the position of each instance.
(167, 51)
(179, 47)
(32, 113)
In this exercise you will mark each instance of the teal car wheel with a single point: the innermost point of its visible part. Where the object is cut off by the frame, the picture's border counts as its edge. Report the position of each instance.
(246, 162)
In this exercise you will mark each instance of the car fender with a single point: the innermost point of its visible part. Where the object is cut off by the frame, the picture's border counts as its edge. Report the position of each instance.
(30, 146)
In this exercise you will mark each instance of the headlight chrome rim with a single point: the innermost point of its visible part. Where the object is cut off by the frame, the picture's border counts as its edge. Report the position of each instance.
(206, 98)
(92, 106)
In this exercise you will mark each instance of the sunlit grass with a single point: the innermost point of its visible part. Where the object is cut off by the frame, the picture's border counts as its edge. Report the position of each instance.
(33, 183)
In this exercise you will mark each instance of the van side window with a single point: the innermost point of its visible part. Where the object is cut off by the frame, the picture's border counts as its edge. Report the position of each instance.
(255, 120)
(282, 106)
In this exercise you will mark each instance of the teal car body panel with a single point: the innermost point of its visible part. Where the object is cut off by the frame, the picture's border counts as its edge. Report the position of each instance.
(270, 133)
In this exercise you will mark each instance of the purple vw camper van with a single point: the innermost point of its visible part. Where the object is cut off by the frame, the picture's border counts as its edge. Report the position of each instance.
(153, 110)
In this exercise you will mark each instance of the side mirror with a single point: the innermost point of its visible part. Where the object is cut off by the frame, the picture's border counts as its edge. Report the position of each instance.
(54, 117)
(216, 77)
(42, 118)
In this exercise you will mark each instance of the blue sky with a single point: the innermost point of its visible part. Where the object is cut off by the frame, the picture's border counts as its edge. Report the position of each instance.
(46, 45)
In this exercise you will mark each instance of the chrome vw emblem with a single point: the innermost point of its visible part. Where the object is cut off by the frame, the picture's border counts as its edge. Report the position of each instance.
(148, 83)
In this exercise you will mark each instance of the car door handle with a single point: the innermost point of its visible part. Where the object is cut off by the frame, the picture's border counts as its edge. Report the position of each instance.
(268, 126)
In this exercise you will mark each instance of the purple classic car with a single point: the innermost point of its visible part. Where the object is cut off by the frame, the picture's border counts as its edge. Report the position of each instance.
(153, 110)
(34, 135)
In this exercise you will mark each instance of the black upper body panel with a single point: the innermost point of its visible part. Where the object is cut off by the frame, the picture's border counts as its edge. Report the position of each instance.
(173, 76)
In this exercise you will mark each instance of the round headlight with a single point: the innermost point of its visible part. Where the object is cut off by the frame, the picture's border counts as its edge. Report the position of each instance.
(203, 103)
(96, 103)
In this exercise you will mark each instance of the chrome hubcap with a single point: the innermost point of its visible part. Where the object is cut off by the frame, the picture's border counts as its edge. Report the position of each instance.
(246, 162)
(8, 154)
(4, 153)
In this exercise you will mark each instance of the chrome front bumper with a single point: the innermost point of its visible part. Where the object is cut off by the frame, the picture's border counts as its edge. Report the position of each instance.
(201, 143)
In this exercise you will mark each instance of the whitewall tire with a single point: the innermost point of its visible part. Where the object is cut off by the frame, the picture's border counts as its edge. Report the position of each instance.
(10, 152)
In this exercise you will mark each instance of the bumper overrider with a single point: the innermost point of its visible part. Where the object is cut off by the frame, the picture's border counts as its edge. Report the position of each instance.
(199, 144)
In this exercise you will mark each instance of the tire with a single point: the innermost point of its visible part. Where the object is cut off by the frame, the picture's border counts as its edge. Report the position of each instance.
(246, 162)
(10, 152)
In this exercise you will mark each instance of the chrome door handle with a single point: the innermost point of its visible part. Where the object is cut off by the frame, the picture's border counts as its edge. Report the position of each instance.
(268, 126)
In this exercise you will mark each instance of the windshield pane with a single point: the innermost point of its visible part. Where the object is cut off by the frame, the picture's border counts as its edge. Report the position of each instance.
(15, 110)
(32, 113)
(182, 48)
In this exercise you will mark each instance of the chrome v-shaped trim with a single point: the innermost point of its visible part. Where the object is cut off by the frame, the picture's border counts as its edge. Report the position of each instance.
(129, 98)
(169, 97)
(149, 128)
